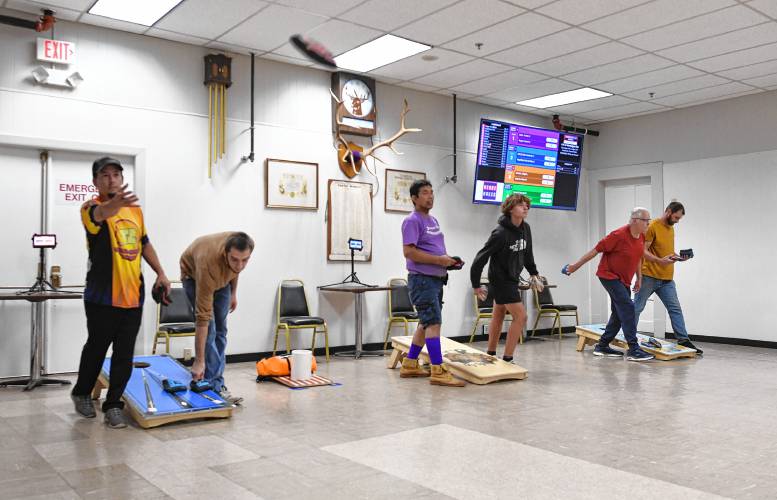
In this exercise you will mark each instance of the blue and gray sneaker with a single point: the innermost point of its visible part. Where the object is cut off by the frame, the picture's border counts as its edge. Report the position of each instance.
(607, 351)
(637, 354)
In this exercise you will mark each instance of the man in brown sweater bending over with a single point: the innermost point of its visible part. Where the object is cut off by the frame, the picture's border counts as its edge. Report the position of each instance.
(209, 271)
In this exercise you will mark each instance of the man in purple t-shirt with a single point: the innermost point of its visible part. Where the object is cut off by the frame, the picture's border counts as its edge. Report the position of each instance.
(424, 247)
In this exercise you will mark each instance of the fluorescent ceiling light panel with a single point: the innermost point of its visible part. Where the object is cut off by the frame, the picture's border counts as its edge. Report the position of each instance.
(379, 52)
(145, 12)
(550, 101)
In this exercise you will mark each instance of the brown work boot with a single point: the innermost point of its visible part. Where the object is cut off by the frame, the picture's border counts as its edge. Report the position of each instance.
(441, 376)
(411, 368)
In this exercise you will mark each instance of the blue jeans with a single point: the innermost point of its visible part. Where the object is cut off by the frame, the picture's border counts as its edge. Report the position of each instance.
(426, 296)
(216, 342)
(622, 315)
(667, 292)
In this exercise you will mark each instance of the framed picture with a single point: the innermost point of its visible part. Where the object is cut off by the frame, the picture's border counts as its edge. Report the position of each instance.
(290, 184)
(349, 217)
(397, 190)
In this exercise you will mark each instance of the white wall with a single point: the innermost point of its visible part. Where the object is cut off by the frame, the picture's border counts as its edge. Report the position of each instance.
(145, 94)
(718, 159)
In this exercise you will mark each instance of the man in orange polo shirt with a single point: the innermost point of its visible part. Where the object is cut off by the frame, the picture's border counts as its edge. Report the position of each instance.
(113, 298)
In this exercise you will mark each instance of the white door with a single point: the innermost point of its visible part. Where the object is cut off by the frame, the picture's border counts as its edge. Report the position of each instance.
(70, 184)
(20, 205)
(620, 197)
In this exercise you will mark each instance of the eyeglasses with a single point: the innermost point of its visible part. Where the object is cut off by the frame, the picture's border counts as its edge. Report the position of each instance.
(640, 218)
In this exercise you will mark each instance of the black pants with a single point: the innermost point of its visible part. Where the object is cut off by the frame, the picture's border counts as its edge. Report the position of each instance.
(108, 325)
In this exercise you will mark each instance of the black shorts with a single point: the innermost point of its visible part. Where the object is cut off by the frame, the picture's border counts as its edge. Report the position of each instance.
(504, 293)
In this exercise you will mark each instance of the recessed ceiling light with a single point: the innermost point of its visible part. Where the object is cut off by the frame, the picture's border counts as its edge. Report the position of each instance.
(145, 12)
(379, 52)
(549, 101)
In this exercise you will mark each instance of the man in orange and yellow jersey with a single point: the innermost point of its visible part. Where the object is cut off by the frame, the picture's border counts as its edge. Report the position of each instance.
(113, 298)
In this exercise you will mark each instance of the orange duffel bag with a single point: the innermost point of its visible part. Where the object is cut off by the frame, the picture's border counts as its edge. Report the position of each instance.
(276, 366)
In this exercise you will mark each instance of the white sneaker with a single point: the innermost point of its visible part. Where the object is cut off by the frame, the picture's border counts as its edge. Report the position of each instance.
(228, 397)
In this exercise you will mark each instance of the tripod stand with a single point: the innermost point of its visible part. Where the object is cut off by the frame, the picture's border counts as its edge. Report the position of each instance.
(351, 278)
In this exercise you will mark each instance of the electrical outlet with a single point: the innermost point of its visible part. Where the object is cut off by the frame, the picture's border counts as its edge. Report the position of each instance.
(187, 353)
(485, 329)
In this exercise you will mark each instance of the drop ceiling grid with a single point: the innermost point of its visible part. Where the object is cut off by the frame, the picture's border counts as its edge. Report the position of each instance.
(717, 45)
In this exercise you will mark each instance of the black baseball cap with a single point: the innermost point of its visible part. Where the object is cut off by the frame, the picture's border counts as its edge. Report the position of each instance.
(103, 162)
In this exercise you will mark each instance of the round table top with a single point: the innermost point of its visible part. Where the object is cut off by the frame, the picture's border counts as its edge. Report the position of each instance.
(40, 296)
(353, 288)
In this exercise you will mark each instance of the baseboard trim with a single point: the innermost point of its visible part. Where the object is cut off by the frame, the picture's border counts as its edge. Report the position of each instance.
(373, 346)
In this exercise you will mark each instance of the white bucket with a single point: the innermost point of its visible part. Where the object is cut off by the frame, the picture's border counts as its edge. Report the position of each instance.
(301, 364)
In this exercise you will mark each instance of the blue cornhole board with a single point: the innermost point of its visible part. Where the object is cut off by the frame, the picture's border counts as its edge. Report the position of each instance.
(168, 410)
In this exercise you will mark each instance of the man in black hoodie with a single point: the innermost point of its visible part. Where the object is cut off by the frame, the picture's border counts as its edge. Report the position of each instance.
(509, 249)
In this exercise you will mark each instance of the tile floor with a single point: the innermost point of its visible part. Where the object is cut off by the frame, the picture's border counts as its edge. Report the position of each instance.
(578, 427)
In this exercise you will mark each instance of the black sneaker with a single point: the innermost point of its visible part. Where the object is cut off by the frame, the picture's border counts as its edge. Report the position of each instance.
(114, 418)
(637, 354)
(84, 405)
(607, 351)
(687, 343)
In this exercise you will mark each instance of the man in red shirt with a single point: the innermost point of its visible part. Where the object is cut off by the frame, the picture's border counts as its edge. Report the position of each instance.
(622, 252)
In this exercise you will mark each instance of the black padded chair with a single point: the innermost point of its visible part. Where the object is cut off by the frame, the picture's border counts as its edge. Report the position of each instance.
(484, 310)
(292, 313)
(543, 302)
(174, 320)
(400, 307)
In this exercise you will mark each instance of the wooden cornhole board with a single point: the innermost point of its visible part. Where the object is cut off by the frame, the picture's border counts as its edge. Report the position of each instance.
(590, 335)
(463, 361)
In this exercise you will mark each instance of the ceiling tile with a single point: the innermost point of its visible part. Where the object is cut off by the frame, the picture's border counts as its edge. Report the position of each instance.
(723, 44)
(488, 100)
(388, 16)
(418, 86)
(527, 109)
(447, 92)
(537, 89)
(415, 66)
(79, 5)
(577, 12)
(547, 47)
(271, 27)
(288, 60)
(530, 4)
(467, 72)
(176, 37)
(737, 59)
(765, 81)
(671, 88)
(622, 111)
(506, 34)
(35, 9)
(592, 105)
(209, 18)
(714, 23)
(652, 15)
(329, 8)
(703, 94)
(719, 98)
(619, 69)
(768, 7)
(658, 77)
(228, 47)
(501, 81)
(752, 71)
(107, 22)
(587, 58)
(458, 20)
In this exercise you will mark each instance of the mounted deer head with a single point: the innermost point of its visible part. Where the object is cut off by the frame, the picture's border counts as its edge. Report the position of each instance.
(351, 157)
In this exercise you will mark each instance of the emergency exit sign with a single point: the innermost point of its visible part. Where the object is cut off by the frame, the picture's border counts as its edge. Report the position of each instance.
(56, 51)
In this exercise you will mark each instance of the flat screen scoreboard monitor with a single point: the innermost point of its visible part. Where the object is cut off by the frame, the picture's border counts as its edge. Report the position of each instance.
(539, 163)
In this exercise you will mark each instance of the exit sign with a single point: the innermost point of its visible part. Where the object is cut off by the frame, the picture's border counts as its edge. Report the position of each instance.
(56, 51)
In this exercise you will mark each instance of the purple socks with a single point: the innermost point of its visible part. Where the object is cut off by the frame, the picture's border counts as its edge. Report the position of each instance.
(435, 353)
(414, 351)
